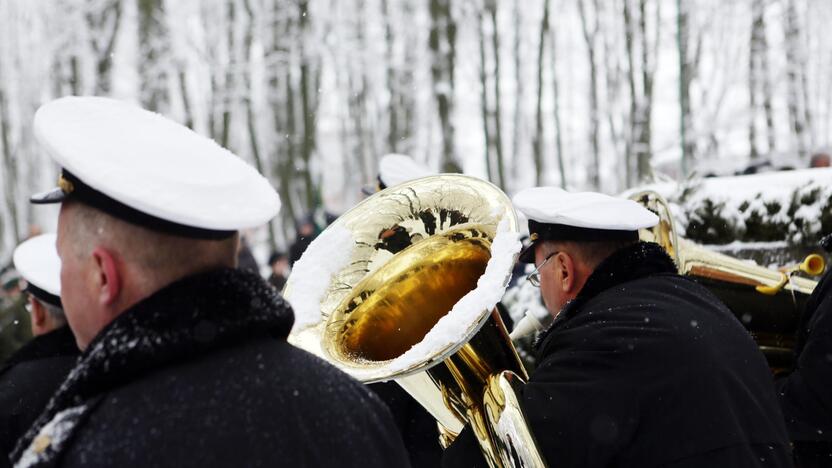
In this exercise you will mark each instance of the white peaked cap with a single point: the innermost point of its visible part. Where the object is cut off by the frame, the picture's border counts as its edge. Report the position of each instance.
(395, 169)
(38, 263)
(147, 169)
(591, 210)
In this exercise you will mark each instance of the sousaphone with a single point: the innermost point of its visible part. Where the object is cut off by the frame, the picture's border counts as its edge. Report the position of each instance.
(404, 287)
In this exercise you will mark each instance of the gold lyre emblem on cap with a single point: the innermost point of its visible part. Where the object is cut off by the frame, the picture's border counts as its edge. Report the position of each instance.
(533, 237)
(65, 185)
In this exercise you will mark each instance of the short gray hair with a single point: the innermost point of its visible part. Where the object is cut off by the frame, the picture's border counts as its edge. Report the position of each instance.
(56, 312)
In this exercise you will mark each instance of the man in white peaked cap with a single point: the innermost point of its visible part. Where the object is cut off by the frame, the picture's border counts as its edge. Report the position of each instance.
(30, 376)
(395, 169)
(641, 367)
(184, 358)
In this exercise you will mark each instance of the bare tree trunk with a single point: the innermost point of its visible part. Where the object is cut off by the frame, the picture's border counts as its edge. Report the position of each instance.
(757, 34)
(281, 95)
(768, 109)
(641, 97)
(556, 104)
(229, 99)
(590, 35)
(519, 91)
(154, 55)
(390, 75)
(614, 79)
(648, 58)
(103, 23)
(685, 78)
(251, 121)
(398, 77)
(10, 169)
(796, 116)
(538, 134)
(186, 100)
(498, 127)
(308, 93)
(407, 101)
(289, 168)
(359, 98)
(629, 33)
(484, 98)
(442, 42)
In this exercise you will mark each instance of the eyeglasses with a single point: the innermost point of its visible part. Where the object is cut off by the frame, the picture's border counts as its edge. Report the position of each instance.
(534, 276)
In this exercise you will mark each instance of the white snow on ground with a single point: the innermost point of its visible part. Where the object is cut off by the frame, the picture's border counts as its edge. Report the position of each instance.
(312, 274)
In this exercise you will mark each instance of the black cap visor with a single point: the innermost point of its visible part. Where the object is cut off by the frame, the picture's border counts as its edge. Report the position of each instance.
(527, 254)
(56, 195)
(561, 232)
(43, 296)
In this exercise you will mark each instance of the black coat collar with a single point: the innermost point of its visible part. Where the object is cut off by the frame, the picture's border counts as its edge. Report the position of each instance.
(57, 343)
(630, 263)
(185, 319)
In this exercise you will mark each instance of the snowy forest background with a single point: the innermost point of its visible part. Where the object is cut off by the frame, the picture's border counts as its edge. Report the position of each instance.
(587, 94)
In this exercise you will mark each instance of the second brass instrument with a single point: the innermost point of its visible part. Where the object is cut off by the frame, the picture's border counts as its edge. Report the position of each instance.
(767, 301)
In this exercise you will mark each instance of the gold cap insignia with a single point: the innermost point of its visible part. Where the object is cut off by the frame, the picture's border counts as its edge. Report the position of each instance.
(65, 185)
(533, 237)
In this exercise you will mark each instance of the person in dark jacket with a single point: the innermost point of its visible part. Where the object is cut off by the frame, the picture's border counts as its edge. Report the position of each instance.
(245, 258)
(806, 392)
(15, 327)
(641, 367)
(184, 357)
(305, 236)
(279, 266)
(30, 376)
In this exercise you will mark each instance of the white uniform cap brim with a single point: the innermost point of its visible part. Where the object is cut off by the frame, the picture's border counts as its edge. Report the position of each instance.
(153, 164)
(553, 205)
(37, 261)
(395, 169)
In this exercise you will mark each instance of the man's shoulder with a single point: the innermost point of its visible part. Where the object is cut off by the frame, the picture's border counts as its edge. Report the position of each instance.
(263, 364)
(666, 297)
(663, 314)
(34, 375)
(260, 400)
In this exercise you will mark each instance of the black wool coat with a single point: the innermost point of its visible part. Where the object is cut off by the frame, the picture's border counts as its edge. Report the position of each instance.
(417, 427)
(806, 393)
(29, 378)
(646, 368)
(200, 374)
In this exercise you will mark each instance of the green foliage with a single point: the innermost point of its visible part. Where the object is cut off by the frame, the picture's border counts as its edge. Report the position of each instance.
(721, 219)
(15, 328)
(707, 225)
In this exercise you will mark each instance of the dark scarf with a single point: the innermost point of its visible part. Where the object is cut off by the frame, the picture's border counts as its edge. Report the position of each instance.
(187, 318)
(630, 263)
(57, 343)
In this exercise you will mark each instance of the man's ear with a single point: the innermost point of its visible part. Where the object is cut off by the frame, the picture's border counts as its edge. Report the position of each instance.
(566, 267)
(38, 312)
(107, 275)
